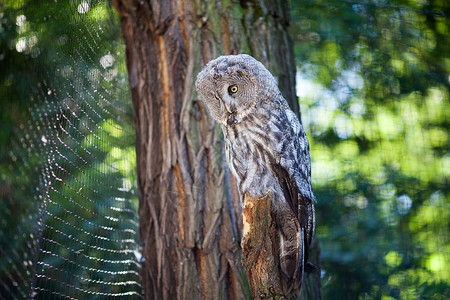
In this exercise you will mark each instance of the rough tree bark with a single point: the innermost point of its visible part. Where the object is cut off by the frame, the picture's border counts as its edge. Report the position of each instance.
(260, 248)
(190, 215)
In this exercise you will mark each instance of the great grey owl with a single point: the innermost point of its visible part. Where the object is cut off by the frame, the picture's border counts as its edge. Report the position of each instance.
(267, 151)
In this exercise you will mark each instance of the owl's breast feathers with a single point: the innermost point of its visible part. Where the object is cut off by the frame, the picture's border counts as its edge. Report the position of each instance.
(269, 150)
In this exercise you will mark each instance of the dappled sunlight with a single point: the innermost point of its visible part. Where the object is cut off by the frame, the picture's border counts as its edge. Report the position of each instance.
(373, 93)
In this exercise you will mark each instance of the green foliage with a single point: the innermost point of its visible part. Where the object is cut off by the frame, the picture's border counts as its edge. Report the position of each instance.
(374, 92)
(67, 173)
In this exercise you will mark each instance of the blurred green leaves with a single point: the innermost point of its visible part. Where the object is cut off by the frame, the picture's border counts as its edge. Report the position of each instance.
(68, 209)
(374, 89)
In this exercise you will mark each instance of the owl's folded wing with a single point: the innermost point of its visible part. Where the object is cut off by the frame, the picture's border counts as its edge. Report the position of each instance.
(294, 259)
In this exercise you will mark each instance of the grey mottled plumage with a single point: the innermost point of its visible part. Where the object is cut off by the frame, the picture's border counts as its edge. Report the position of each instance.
(267, 150)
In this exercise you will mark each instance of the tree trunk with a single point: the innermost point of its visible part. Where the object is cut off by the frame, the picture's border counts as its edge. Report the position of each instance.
(189, 210)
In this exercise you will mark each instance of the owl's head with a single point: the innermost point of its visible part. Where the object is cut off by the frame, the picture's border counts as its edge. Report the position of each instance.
(233, 85)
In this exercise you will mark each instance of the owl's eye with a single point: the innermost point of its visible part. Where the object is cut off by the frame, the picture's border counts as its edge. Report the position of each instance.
(232, 89)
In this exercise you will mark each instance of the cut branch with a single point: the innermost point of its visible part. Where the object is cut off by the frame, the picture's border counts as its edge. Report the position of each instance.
(260, 248)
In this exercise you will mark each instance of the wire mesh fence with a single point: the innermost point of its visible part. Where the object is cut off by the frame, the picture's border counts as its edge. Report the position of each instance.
(69, 213)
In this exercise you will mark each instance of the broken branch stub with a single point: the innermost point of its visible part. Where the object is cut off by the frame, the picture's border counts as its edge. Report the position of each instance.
(260, 248)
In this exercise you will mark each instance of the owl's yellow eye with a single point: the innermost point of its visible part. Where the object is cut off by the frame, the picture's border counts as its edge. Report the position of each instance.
(233, 89)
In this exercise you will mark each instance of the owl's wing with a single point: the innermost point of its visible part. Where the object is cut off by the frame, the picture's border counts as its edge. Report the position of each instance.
(293, 173)
(296, 227)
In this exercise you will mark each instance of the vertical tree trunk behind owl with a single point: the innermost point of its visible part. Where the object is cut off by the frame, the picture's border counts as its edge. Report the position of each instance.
(190, 215)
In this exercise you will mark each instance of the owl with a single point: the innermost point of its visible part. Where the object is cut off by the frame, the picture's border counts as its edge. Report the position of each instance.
(266, 150)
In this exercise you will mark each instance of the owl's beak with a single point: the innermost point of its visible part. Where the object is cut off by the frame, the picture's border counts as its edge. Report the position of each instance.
(228, 109)
(223, 103)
